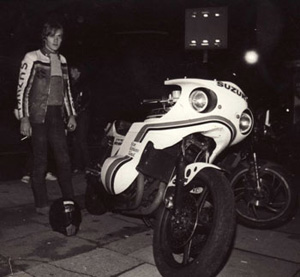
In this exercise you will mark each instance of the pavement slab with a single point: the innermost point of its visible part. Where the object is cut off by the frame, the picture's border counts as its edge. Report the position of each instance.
(145, 254)
(47, 270)
(271, 243)
(47, 246)
(131, 244)
(19, 274)
(144, 270)
(16, 193)
(18, 222)
(107, 227)
(247, 264)
(99, 263)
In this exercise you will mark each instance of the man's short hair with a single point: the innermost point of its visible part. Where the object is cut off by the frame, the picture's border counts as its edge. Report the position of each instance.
(50, 27)
(76, 64)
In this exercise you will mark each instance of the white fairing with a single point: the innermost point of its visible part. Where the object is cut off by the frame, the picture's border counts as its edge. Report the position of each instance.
(221, 123)
(191, 171)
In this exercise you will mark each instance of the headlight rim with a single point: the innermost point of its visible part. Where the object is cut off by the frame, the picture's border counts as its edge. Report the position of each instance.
(192, 100)
(211, 99)
(249, 114)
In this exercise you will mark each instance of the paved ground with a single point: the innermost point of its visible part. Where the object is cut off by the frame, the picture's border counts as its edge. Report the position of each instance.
(114, 245)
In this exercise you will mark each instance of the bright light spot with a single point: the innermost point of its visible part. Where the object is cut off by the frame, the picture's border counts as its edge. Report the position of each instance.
(193, 43)
(205, 15)
(217, 40)
(251, 57)
(205, 42)
(217, 14)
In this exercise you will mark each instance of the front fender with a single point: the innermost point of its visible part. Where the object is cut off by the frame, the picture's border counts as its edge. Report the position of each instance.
(191, 171)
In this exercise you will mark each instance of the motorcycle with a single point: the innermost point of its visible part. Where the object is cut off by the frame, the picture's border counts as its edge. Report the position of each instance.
(265, 194)
(162, 169)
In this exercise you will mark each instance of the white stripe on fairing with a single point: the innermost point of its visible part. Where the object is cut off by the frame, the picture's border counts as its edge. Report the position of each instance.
(185, 123)
(112, 170)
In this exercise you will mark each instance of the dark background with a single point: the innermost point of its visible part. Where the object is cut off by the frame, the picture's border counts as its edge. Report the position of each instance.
(129, 47)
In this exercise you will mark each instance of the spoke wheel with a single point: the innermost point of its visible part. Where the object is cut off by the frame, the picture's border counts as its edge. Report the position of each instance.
(195, 240)
(268, 206)
(183, 223)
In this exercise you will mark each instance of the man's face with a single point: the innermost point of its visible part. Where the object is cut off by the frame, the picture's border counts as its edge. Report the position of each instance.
(75, 73)
(53, 41)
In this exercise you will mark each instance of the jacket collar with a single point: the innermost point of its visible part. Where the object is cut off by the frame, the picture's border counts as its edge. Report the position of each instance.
(47, 52)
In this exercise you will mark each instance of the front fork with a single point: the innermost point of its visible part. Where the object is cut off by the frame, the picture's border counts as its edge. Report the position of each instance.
(256, 173)
(179, 182)
(182, 161)
(259, 194)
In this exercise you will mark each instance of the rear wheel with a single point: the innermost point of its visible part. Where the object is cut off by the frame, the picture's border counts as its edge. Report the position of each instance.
(95, 196)
(270, 206)
(195, 240)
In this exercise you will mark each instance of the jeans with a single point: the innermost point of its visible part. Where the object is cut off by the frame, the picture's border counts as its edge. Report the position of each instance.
(52, 131)
(27, 170)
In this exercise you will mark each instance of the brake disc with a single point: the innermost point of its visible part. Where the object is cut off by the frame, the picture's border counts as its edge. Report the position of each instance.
(183, 222)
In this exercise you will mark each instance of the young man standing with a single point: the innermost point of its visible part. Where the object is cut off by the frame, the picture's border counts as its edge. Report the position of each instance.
(44, 102)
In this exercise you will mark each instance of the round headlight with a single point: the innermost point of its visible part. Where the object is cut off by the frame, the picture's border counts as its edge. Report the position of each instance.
(246, 122)
(199, 100)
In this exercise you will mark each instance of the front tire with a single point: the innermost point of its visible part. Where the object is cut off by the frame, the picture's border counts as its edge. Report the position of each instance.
(196, 240)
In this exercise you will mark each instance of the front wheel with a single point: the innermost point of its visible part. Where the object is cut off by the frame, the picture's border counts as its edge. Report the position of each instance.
(195, 239)
(269, 205)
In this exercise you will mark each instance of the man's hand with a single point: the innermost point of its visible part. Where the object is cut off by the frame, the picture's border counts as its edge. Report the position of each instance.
(25, 127)
(71, 123)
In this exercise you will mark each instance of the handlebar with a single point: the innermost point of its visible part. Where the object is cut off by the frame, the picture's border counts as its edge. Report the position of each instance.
(173, 97)
(155, 101)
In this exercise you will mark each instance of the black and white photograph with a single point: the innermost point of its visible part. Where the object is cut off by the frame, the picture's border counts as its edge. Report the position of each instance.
(147, 138)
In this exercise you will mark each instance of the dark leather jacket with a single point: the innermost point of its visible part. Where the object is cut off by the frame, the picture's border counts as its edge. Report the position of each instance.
(34, 87)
